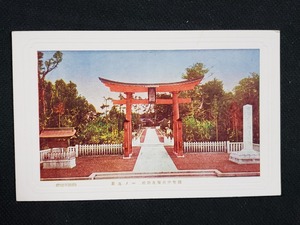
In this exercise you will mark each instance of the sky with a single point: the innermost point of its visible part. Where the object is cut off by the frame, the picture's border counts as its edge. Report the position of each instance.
(144, 66)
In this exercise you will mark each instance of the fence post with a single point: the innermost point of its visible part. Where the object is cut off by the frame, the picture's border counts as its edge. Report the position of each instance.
(228, 147)
(76, 150)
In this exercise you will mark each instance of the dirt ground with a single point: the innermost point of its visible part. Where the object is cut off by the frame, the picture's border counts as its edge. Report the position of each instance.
(203, 161)
(87, 165)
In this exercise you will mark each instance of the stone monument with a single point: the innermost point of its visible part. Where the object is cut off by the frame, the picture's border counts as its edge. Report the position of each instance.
(247, 155)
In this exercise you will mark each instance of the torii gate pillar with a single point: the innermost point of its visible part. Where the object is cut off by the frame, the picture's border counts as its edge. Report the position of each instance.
(177, 126)
(128, 127)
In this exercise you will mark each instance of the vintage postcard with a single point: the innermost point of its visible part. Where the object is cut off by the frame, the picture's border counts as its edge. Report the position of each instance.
(146, 114)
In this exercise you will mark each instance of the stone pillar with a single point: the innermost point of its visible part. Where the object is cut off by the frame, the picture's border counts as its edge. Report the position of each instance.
(247, 155)
(247, 127)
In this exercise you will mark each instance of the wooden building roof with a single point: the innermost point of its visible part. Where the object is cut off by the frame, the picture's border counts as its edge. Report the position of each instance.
(62, 132)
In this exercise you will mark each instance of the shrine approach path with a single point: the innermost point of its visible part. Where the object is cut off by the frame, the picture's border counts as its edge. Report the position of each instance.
(153, 156)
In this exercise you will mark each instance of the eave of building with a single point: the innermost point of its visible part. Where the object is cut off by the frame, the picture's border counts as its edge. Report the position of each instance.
(58, 132)
(116, 86)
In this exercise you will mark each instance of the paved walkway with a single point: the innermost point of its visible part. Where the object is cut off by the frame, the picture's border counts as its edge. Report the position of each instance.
(153, 157)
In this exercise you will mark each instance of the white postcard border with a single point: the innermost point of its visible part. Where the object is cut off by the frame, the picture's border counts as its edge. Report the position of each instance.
(28, 184)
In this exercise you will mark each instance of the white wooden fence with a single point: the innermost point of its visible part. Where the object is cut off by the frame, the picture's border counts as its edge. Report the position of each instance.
(117, 149)
(220, 146)
(103, 149)
(234, 146)
(43, 154)
(215, 146)
(56, 154)
(80, 150)
(238, 146)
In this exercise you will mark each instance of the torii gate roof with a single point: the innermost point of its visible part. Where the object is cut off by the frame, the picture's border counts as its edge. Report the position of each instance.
(117, 86)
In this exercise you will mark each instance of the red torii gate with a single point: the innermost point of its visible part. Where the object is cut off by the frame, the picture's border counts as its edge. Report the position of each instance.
(130, 88)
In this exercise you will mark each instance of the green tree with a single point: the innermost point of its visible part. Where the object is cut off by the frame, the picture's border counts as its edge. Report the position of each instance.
(196, 130)
(163, 111)
(44, 68)
(65, 107)
(211, 90)
(103, 129)
(59, 108)
(235, 131)
(217, 115)
(210, 105)
(91, 132)
(196, 71)
(247, 92)
(49, 102)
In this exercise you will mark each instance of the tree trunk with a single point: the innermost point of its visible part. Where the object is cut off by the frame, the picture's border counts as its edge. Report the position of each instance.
(58, 120)
(42, 100)
(217, 130)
